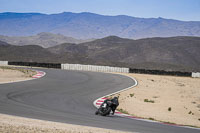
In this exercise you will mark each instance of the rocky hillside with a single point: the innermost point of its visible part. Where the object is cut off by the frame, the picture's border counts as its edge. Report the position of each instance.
(154, 53)
(174, 53)
(43, 39)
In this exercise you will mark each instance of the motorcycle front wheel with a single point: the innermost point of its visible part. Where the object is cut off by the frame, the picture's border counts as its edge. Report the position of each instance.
(106, 112)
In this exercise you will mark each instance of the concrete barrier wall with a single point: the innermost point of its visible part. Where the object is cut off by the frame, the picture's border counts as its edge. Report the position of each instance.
(195, 75)
(3, 63)
(94, 68)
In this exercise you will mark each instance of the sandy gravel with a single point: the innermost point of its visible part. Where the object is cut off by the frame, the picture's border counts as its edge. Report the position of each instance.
(9, 74)
(168, 99)
(13, 124)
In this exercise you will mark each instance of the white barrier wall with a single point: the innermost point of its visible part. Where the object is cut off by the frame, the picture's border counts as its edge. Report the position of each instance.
(195, 75)
(3, 63)
(94, 68)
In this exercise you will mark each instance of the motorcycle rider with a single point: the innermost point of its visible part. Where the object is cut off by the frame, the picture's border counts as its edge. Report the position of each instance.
(114, 105)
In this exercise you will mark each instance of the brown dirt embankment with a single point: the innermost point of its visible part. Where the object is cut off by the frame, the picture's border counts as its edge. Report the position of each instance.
(10, 74)
(163, 98)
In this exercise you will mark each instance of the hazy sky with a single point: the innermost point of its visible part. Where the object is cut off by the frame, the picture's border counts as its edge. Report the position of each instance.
(173, 9)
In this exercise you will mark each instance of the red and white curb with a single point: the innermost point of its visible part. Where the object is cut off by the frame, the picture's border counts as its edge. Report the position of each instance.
(39, 74)
(100, 100)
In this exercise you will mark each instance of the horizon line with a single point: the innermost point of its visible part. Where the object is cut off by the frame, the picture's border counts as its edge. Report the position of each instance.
(103, 15)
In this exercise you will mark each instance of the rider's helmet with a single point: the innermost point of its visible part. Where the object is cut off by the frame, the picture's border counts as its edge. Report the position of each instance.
(115, 101)
(115, 98)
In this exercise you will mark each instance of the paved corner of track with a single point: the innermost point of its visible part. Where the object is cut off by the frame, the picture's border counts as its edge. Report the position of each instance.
(100, 100)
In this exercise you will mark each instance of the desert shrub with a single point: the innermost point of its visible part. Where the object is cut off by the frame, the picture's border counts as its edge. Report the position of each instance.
(123, 111)
(131, 95)
(149, 101)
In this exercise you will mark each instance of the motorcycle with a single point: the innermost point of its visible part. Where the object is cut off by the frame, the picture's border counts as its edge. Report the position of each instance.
(104, 109)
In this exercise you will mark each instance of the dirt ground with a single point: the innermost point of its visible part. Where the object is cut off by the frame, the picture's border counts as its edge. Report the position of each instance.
(163, 98)
(9, 74)
(13, 124)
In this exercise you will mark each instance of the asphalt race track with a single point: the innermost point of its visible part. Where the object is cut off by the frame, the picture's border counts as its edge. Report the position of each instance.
(67, 96)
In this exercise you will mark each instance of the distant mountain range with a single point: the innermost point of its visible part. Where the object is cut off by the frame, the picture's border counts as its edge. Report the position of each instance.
(88, 25)
(43, 39)
(174, 53)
